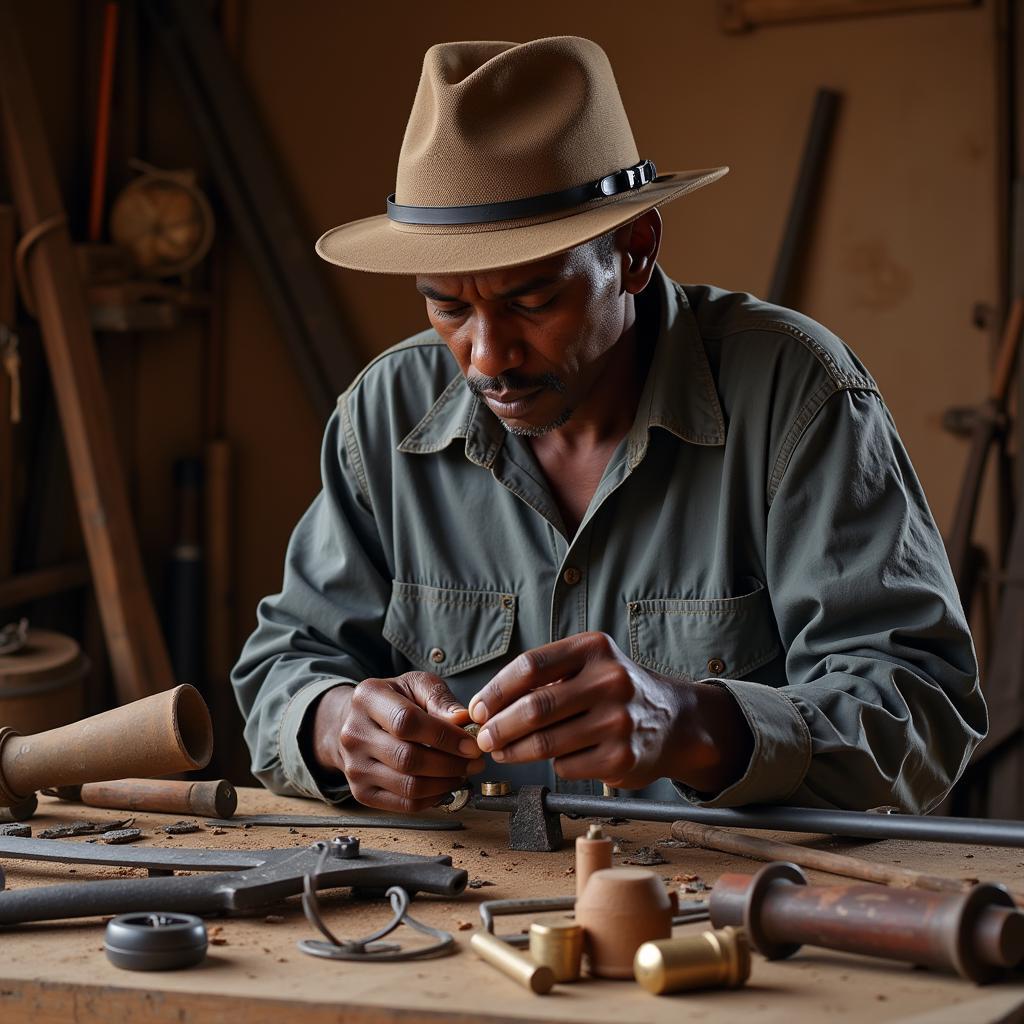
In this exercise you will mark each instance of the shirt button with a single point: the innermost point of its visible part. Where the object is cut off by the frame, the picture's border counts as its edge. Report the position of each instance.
(572, 576)
(716, 666)
(437, 655)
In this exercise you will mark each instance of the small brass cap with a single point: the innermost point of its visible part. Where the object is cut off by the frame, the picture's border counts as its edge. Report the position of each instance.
(472, 729)
(558, 945)
(713, 959)
(495, 789)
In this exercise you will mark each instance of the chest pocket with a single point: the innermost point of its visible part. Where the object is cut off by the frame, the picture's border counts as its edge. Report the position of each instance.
(704, 638)
(446, 630)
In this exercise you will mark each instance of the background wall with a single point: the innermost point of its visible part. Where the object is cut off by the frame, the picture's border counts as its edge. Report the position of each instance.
(903, 248)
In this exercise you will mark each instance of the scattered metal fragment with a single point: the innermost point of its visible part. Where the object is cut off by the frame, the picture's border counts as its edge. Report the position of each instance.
(84, 828)
(647, 856)
(478, 883)
(16, 829)
(118, 836)
(181, 828)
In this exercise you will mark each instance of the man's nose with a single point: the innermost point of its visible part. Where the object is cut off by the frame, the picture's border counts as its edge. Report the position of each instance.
(496, 349)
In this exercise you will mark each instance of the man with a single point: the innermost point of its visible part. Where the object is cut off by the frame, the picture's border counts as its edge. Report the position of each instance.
(660, 537)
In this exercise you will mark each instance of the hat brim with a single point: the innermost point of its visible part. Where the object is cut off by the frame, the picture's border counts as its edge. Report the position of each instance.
(379, 245)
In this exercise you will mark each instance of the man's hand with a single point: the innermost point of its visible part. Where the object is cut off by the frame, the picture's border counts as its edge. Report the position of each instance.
(399, 741)
(599, 715)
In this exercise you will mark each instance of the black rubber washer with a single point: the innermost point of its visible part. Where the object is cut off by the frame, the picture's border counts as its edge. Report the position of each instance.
(155, 941)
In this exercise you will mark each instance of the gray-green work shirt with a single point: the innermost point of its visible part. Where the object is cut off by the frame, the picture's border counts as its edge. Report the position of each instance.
(760, 526)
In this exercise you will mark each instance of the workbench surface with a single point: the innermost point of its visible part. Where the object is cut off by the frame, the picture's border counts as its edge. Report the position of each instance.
(255, 974)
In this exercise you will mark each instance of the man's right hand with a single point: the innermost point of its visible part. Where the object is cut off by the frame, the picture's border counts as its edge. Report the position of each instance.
(398, 741)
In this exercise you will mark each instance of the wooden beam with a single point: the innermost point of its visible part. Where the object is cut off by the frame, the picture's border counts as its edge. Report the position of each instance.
(137, 652)
(7, 504)
(744, 15)
(31, 586)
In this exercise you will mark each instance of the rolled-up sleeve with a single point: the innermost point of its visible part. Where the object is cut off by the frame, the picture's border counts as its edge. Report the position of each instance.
(881, 703)
(322, 630)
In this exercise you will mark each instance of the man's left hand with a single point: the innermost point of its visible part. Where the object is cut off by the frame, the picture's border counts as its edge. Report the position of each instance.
(599, 715)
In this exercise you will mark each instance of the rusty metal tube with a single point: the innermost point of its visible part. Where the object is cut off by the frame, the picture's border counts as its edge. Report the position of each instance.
(214, 798)
(163, 734)
(975, 934)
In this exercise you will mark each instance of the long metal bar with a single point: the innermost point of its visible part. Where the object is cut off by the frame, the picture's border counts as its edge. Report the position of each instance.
(852, 824)
(805, 195)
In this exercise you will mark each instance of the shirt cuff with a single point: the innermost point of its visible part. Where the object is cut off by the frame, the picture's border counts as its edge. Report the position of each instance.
(304, 774)
(782, 748)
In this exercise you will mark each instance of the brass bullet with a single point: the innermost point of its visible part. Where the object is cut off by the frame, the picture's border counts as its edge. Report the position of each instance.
(713, 959)
(558, 945)
(538, 979)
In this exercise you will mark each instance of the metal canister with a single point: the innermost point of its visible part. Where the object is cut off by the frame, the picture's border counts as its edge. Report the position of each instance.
(713, 959)
(558, 945)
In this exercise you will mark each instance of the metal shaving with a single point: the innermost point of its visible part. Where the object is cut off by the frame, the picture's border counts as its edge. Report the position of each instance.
(646, 856)
(118, 836)
(83, 828)
(16, 830)
(181, 828)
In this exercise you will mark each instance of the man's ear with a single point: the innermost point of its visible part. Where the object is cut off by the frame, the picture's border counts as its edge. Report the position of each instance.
(641, 242)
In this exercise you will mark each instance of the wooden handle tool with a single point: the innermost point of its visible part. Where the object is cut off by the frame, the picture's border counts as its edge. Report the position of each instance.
(213, 799)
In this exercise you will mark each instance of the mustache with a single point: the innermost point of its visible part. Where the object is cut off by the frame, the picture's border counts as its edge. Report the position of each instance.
(515, 382)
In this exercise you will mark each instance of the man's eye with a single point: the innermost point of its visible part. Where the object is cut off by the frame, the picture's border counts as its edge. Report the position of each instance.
(448, 313)
(526, 307)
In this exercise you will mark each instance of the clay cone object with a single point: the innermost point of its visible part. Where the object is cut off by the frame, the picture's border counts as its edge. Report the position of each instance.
(620, 909)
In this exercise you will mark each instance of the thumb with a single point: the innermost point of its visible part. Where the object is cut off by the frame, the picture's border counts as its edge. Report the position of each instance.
(432, 694)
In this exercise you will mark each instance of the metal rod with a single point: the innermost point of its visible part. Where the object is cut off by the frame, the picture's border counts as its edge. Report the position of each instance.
(853, 824)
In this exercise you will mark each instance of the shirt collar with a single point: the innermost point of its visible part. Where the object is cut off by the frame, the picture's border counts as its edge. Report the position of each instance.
(678, 396)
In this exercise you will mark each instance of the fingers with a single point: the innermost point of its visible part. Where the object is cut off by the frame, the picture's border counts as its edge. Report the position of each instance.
(399, 707)
(607, 762)
(538, 667)
(603, 727)
(536, 710)
(432, 694)
(416, 759)
(377, 785)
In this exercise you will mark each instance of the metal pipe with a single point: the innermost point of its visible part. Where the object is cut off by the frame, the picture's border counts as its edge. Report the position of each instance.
(977, 934)
(166, 733)
(852, 824)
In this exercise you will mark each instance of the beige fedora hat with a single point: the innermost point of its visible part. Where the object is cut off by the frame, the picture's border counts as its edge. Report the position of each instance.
(513, 152)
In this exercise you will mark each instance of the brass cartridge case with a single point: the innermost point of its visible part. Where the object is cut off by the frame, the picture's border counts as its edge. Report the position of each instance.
(538, 979)
(713, 959)
(558, 945)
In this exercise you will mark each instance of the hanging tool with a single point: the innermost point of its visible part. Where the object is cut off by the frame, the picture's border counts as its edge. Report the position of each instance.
(535, 825)
(166, 733)
(232, 880)
(977, 934)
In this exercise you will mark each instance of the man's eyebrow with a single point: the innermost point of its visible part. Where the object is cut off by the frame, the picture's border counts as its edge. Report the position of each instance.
(533, 285)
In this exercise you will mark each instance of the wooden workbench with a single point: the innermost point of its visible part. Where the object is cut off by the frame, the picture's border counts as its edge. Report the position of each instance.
(255, 974)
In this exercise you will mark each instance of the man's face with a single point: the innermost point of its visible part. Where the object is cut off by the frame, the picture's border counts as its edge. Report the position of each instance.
(530, 339)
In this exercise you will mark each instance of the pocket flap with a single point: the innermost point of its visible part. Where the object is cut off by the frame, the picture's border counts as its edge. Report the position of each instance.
(704, 638)
(445, 630)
